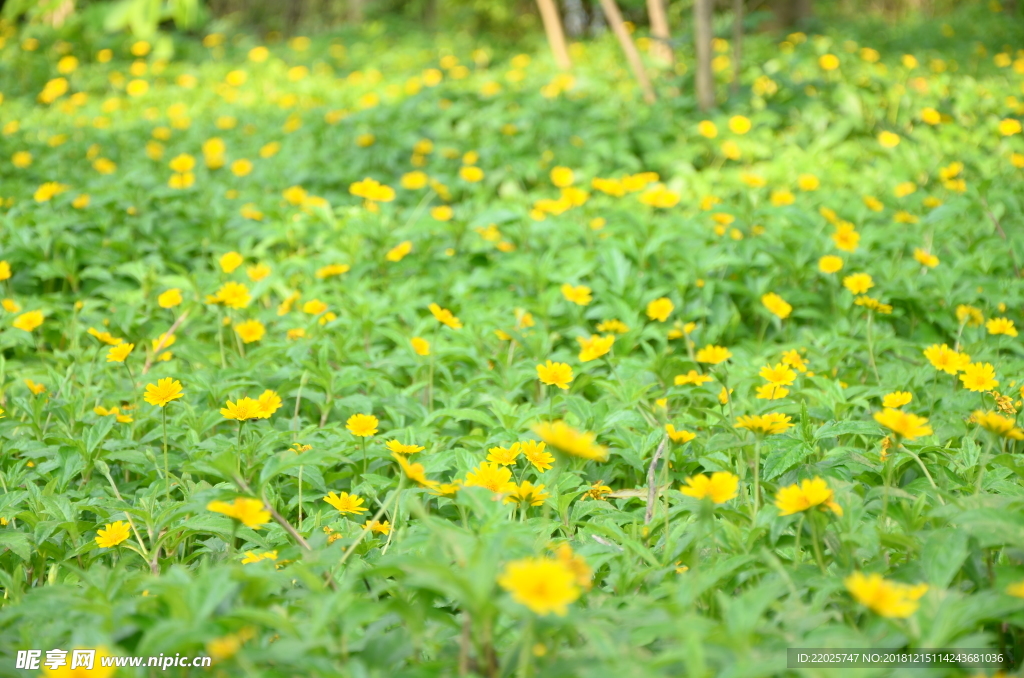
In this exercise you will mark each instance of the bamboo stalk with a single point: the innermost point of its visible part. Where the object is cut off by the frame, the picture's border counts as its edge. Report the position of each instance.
(702, 38)
(556, 37)
(660, 31)
(611, 12)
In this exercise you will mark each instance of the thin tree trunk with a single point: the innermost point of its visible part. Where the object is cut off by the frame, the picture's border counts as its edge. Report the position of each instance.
(702, 38)
(737, 43)
(660, 31)
(553, 28)
(611, 12)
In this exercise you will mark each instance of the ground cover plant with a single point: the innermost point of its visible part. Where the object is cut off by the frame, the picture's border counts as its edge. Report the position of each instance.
(372, 354)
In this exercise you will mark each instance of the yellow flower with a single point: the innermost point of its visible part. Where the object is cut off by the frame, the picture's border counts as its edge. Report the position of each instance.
(413, 180)
(400, 448)
(445, 317)
(112, 534)
(886, 598)
(314, 307)
(873, 203)
(966, 313)
(707, 129)
(946, 359)
(544, 585)
(163, 391)
(780, 374)
(680, 436)
(230, 261)
(378, 527)
(1016, 589)
(771, 392)
(169, 298)
(776, 305)
(579, 295)
(771, 423)
(828, 62)
(659, 309)
(491, 475)
(720, 487)
(28, 321)
(979, 377)
(808, 182)
(794, 360)
(1009, 127)
(526, 493)
(117, 354)
(441, 213)
(35, 388)
(331, 270)
(594, 347)
(420, 345)
(907, 425)
(535, 454)
(808, 494)
(1001, 326)
(555, 374)
(231, 294)
(782, 197)
(250, 512)
(471, 174)
(503, 456)
(362, 425)
(268, 403)
(250, 331)
(242, 410)
(241, 167)
(739, 124)
(858, 283)
(346, 503)
(998, 424)
(888, 139)
(613, 325)
(564, 438)
(10, 305)
(659, 196)
(414, 472)
(258, 272)
(692, 377)
(562, 177)
(897, 399)
(925, 258)
(251, 557)
(5, 270)
(713, 355)
(846, 238)
(398, 252)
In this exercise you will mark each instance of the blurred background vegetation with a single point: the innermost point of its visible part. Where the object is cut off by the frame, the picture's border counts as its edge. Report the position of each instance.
(502, 19)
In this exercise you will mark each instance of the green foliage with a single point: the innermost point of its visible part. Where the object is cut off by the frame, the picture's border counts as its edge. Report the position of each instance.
(187, 159)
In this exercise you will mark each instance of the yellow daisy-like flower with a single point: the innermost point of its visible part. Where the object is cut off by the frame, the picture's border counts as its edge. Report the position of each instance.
(118, 353)
(1001, 326)
(400, 448)
(555, 374)
(28, 322)
(942, 357)
(886, 598)
(250, 512)
(780, 374)
(346, 503)
(594, 347)
(445, 317)
(112, 534)
(858, 283)
(897, 399)
(564, 438)
(362, 425)
(415, 472)
(535, 454)
(906, 425)
(720, 487)
(979, 377)
(692, 377)
(772, 423)
(996, 423)
(163, 391)
(660, 309)
(250, 331)
(579, 295)
(169, 298)
(242, 410)
(544, 585)
(680, 436)
(777, 305)
(491, 475)
(713, 355)
(805, 495)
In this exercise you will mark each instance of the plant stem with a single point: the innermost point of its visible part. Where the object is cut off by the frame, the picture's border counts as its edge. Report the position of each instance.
(167, 473)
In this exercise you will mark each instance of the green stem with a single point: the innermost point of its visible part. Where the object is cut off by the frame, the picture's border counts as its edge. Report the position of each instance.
(757, 479)
(871, 348)
(167, 473)
(817, 546)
